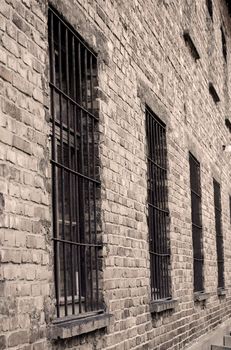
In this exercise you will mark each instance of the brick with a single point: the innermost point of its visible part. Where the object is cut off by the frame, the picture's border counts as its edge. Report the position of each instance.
(11, 30)
(5, 74)
(12, 110)
(2, 342)
(2, 23)
(18, 338)
(5, 136)
(10, 45)
(5, 10)
(21, 24)
(3, 56)
(22, 39)
(22, 85)
(21, 144)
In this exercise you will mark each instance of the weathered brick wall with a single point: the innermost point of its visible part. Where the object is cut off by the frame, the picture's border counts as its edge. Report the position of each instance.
(142, 59)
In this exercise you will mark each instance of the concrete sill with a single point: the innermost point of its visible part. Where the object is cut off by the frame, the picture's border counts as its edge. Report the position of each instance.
(162, 305)
(75, 326)
(221, 292)
(200, 296)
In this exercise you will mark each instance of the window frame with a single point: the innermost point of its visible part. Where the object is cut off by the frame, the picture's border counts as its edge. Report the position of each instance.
(197, 227)
(83, 176)
(219, 234)
(159, 245)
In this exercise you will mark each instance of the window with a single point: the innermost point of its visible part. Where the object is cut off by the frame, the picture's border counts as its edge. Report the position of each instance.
(198, 259)
(219, 236)
(75, 183)
(158, 207)
(224, 45)
(210, 8)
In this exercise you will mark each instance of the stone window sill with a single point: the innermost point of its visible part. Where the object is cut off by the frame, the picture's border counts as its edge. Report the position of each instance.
(71, 327)
(221, 292)
(162, 305)
(200, 296)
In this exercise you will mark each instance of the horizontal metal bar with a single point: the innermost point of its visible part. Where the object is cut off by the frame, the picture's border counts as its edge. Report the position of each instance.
(198, 259)
(157, 165)
(159, 254)
(77, 243)
(65, 128)
(218, 209)
(76, 317)
(159, 209)
(150, 113)
(61, 166)
(196, 194)
(73, 101)
(197, 226)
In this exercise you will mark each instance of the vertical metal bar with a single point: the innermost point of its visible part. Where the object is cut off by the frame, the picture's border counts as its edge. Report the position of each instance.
(153, 211)
(70, 174)
(88, 184)
(76, 180)
(155, 200)
(54, 175)
(165, 214)
(152, 222)
(150, 217)
(82, 170)
(157, 145)
(62, 170)
(162, 215)
(94, 191)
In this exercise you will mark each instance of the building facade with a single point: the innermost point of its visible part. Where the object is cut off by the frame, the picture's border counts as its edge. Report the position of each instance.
(115, 173)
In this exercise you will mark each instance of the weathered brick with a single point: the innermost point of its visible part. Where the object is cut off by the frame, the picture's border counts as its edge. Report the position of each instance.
(5, 10)
(22, 85)
(21, 144)
(10, 45)
(21, 24)
(18, 338)
(2, 342)
(5, 74)
(5, 136)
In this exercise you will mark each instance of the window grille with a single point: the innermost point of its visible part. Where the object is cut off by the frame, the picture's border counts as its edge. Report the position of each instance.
(75, 182)
(198, 259)
(158, 207)
(219, 235)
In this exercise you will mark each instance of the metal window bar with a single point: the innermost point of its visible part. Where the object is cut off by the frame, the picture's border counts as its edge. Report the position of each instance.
(197, 239)
(75, 183)
(219, 235)
(158, 207)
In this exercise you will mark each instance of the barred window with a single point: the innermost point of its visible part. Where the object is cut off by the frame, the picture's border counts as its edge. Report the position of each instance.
(75, 175)
(158, 207)
(219, 235)
(198, 259)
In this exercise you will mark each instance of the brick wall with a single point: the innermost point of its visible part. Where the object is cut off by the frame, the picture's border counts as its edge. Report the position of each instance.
(143, 59)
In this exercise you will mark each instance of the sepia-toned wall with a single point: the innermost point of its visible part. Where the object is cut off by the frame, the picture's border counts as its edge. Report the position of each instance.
(143, 59)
